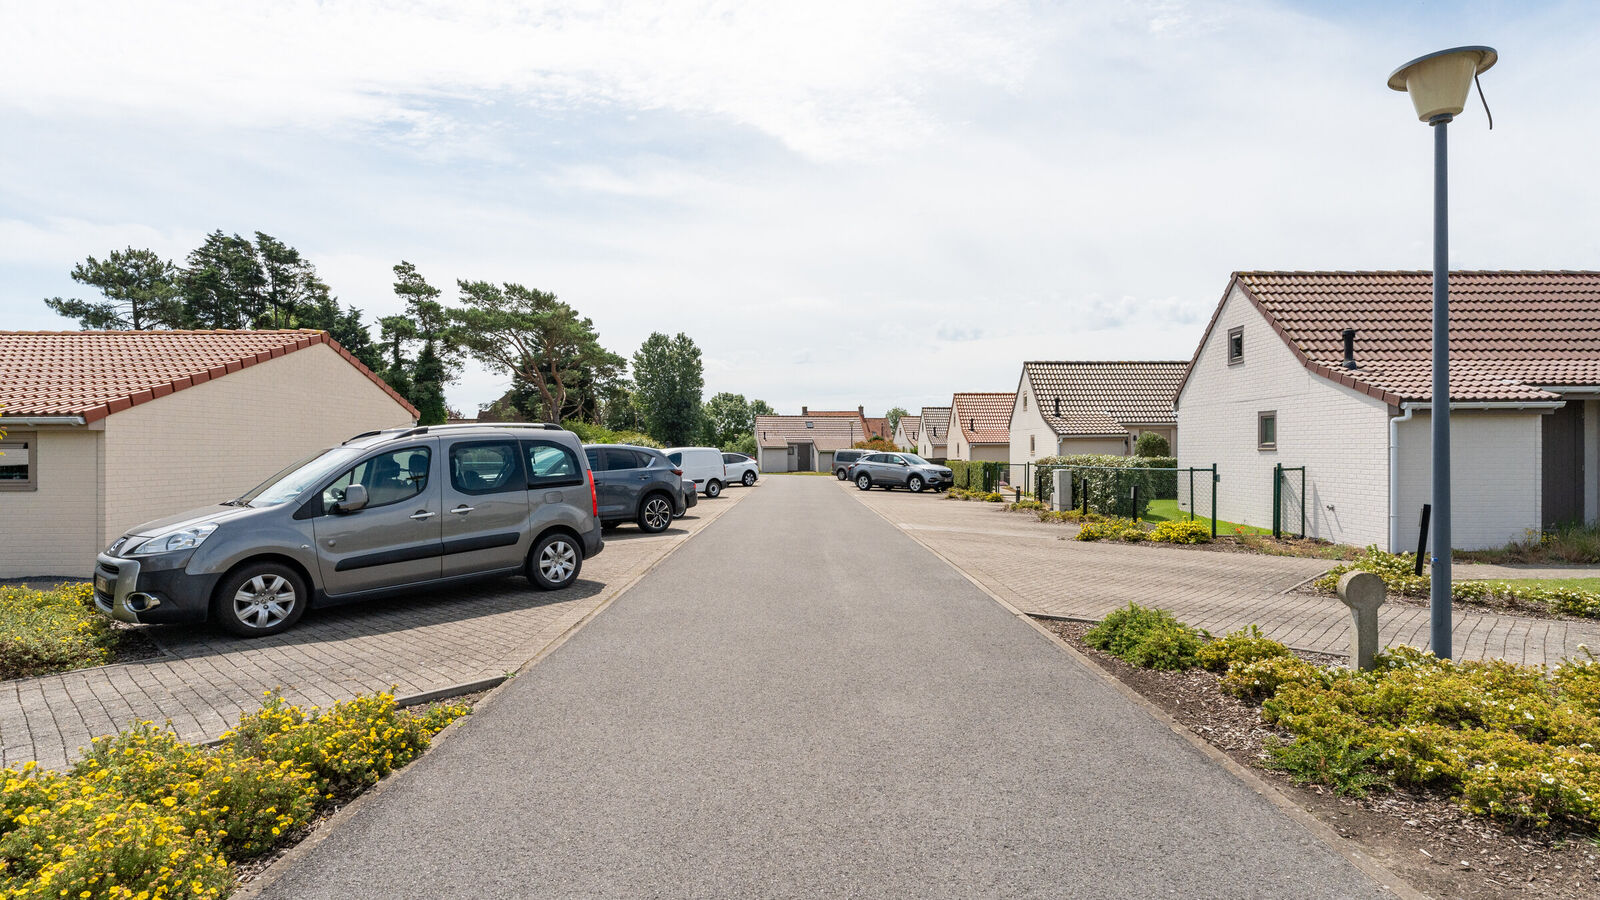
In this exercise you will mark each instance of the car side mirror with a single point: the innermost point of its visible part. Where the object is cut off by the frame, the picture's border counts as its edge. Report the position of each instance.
(904, 463)
(355, 497)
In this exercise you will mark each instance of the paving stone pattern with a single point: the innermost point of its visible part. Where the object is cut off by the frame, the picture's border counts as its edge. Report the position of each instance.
(1026, 562)
(206, 678)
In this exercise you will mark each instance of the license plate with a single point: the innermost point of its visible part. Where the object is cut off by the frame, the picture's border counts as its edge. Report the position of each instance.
(103, 584)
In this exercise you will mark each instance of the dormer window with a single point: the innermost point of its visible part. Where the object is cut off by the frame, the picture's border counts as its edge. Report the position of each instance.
(1236, 345)
(808, 425)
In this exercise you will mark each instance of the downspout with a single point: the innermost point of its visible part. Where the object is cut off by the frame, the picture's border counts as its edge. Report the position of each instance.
(1394, 478)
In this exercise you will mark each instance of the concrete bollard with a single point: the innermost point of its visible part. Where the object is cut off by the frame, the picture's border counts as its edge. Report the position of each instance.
(1363, 592)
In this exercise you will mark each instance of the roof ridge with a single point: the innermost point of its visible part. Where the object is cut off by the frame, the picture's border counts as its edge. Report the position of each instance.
(160, 331)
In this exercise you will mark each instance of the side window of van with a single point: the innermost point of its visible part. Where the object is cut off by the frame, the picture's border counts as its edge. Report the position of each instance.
(551, 465)
(486, 467)
(388, 477)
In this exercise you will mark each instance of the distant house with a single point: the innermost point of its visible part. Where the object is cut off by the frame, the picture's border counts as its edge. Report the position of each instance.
(871, 427)
(980, 426)
(109, 429)
(1278, 379)
(906, 432)
(1092, 407)
(933, 432)
(805, 443)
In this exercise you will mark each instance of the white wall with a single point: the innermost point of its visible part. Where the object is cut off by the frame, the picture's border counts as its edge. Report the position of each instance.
(1099, 446)
(55, 529)
(1495, 477)
(774, 459)
(1027, 422)
(1340, 435)
(216, 440)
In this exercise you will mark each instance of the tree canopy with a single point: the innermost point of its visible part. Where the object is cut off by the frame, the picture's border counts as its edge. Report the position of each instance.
(140, 290)
(669, 377)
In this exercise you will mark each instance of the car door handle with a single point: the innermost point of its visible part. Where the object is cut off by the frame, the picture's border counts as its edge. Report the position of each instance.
(461, 510)
(644, 477)
(421, 514)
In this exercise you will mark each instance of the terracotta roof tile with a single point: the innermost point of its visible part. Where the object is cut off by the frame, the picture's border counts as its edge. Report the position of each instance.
(936, 421)
(827, 432)
(985, 418)
(1102, 397)
(1510, 331)
(94, 374)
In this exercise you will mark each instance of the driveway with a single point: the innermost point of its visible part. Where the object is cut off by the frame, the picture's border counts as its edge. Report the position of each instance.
(1029, 564)
(803, 702)
(204, 678)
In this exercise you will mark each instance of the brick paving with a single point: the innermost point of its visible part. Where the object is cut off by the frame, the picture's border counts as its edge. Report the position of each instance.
(205, 679)
(1027, 563)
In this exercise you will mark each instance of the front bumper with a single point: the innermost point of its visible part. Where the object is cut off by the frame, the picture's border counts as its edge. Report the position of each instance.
(151, 590)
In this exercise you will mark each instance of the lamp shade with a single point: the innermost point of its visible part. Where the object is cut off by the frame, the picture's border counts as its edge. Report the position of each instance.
(1438, 83)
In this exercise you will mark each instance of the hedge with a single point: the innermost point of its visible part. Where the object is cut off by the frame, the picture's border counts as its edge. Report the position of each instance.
(977, 476)
(1109, 490)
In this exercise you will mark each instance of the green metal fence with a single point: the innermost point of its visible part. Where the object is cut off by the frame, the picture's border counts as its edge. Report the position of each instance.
(1288, 500)
(1149, 493)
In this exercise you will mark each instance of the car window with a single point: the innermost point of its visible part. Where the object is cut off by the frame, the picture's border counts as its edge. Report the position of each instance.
(728, 458)
(677, 458)
(388, 477)
(485, 467)
(878, 458)
(551, 464)
(597, 458)
(618, 459)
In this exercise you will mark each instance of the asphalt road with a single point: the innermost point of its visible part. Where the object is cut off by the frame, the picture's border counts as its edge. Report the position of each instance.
(803, 702)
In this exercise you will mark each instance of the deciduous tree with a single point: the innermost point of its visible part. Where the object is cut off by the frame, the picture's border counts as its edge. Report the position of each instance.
(669, 378)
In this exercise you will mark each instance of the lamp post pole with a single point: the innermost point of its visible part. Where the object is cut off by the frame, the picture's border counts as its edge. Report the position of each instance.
(1439, 585)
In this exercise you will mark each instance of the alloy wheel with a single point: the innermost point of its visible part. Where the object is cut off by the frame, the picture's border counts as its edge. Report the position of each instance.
(264, 601)
(657, 514)
(558, 561)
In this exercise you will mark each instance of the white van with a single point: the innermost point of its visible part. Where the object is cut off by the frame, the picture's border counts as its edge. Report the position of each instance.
(703, 464)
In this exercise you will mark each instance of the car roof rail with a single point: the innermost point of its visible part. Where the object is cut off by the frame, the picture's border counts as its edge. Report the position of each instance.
(364, 434)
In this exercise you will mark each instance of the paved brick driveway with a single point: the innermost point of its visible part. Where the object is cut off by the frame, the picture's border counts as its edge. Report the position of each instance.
(206, 678)
(1024, 561)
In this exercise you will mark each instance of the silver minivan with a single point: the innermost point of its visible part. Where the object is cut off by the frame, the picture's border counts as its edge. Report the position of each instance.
(382, 513)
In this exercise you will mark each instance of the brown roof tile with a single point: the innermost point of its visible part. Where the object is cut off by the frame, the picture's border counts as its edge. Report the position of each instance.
(912, 426)
(1102, 397)
(827, 432)
(94, 374)
(936, 421)
(985, 417)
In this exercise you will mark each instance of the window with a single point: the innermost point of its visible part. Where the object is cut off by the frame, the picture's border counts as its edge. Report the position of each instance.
(18, 470)
(1024, 402)
(1267, 430)
(677, 458)
(550, 465)
(1030, 445)
(389, 477)
(1236, 345)
(486, 467)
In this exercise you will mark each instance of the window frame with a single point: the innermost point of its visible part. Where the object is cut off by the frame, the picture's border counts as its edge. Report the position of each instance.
(321, 501)
(517, 481)
(1262, 418)
(1235, 333)
(577, 478)
(30, 442)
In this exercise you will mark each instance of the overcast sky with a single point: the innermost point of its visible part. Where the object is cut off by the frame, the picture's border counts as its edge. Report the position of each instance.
(843, 203)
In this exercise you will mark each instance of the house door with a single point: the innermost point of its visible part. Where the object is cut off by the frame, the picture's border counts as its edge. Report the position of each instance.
(1563, 465)
(802, 457)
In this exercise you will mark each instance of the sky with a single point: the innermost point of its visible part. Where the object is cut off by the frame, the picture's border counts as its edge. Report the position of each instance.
(870, 202)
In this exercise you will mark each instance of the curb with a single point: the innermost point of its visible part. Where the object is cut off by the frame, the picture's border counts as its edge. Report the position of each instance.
(1386, 879)
(274, 870)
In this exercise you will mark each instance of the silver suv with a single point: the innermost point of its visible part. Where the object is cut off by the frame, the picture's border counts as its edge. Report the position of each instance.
(384, 512)
(891, 470)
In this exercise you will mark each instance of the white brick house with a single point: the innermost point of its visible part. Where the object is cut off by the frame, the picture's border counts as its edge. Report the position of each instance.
(1269, 384)
(1091, 407)
(109, 429)
(906, 432)
(980, 426)
(933, 433)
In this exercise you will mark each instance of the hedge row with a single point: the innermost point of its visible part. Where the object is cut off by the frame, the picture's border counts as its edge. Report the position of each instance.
(1110, 491)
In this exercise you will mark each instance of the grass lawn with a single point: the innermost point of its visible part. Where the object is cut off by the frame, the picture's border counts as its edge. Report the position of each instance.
(1582, 584)
(1168, 511)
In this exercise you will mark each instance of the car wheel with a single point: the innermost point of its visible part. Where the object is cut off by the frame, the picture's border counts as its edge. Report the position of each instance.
(554, 562)
(655, 514)
(840, 474)
(259, 600)
(713, 488)
(749, 478)
(914, 484)
(864, 482)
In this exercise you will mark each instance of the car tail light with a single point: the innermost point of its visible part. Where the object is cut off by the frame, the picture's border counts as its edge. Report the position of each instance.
(678, 472)
(594, 496)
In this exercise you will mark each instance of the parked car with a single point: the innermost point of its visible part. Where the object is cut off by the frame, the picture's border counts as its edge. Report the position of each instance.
(892, 470)
(636, 484)
(691, 495)
(703, 464)
(844, 459)
(741, 469)
(382, 513)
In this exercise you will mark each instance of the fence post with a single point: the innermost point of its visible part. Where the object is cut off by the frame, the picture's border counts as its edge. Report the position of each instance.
(1302, 501)
(1083, 485)
(1191, 493)
(1214, 480)
(1277, 501)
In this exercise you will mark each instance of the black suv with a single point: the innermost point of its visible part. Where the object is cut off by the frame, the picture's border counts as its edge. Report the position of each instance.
(635, 484)
(844, 459)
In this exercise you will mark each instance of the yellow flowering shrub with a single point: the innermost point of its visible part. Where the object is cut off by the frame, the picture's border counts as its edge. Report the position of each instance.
(1105, 528)
(51, 631)
(1181, 531)
(1238, 647)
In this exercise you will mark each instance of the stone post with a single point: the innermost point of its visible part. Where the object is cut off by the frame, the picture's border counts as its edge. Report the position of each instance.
(1363, 592)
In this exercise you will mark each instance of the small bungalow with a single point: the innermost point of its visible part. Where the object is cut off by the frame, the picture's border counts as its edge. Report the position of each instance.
(871, 427)
(1099, 406)
(805, 443)
(108, 429)
(933, 432)
(906, 431)
(980, 426)
(1331, 371)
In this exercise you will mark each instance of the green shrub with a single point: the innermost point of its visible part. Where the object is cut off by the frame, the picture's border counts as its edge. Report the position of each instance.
(1337, 762)
(981, 477)
(1109, 487)
(1151, 444)
(590, 433)
(1031, 505)
(1132, 535)
(1258, 680)
(1149, 638)
(1181, 531)
(51, 631)
(994, 497)
(1101, 528)
(1239, 647)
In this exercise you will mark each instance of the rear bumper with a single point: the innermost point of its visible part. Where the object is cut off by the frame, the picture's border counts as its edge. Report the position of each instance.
(593, 542)
(151, 590)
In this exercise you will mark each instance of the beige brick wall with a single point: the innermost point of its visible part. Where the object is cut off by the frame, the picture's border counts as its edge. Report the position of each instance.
(55, 530)
(217, 440)
(1340, 435)
(1495, 473)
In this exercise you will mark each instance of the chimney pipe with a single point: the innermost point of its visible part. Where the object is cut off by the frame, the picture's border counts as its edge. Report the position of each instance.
(1350, 349)
(804, 411)
(1058, 407)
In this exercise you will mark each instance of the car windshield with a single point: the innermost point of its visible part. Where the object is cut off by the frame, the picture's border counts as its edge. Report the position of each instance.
(296, 479)
(915, 460)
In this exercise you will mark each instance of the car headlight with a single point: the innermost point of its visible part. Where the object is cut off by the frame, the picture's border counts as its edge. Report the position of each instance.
(181, 539)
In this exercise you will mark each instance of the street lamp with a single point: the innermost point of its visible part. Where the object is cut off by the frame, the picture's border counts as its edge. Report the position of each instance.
(1438, 84)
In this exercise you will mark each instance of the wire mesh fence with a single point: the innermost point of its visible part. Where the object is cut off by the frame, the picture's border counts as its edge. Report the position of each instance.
(1147, 493)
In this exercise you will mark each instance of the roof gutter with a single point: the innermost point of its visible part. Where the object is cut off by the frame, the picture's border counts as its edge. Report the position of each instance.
(40, 420)
(1492, 404)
